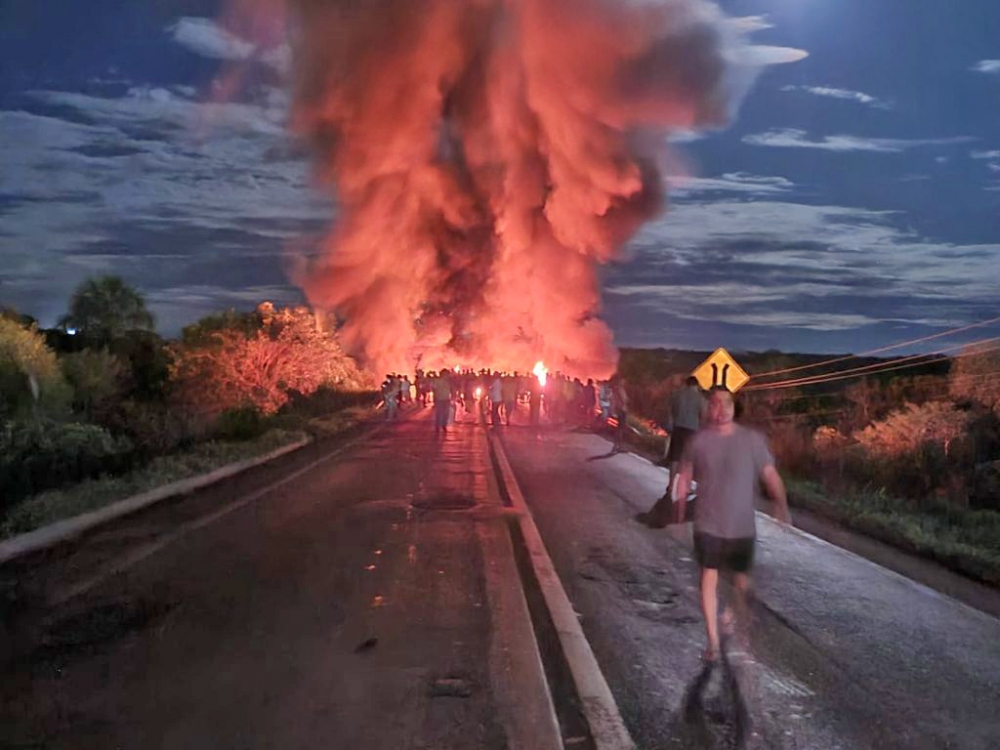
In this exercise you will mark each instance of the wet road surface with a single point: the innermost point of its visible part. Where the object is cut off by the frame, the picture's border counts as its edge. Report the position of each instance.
(372, 603)
(843, 653)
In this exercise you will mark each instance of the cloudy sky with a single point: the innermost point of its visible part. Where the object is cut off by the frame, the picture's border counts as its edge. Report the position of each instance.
(854, 202)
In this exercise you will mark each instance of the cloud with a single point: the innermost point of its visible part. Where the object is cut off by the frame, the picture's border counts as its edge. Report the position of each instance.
(987, 66)
(205, 37)
(177, 306)
(748, 24)
(793, 138)
(844, 94)
(763, 55)
(153, 185)
(733, 182)
(993, 158)
(743, 268)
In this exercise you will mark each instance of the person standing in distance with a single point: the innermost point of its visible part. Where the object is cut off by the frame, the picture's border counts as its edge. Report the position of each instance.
(686, 408)
(729, 462)
(619, 410)
(442, 392)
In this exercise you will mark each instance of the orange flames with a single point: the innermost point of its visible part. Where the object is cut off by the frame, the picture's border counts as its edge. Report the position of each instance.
(541, 372)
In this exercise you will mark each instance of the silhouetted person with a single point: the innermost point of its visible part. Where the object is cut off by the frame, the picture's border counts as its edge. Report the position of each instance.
(496, 399)
(619, 410)
(508, 388)
(587, 403)
(390, 395)
(535, 400)
(441, 390)
(686, 408)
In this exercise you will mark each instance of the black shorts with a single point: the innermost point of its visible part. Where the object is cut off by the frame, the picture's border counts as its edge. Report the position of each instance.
(678, 440)
(724, 554)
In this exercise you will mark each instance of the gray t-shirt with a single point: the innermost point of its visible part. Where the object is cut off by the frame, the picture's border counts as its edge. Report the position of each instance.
(686, 407)
(727, 469)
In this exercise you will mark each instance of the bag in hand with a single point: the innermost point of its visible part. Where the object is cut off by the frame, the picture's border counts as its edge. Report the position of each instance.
(664, 512)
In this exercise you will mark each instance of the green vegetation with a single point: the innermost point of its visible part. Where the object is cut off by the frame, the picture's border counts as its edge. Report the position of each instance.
(911, 457)
(963, 539)
(103, 407)
(92, 494)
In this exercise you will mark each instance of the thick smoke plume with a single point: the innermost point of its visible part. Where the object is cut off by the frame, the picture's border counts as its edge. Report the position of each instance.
(487, 156)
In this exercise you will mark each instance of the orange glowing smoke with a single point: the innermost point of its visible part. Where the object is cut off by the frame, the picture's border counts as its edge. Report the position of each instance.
(486, 156)
(541, 373)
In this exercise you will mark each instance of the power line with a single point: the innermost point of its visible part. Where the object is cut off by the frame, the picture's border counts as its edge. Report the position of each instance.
(890, 366)
(847, 357)
(868, 369)
(834, 395)
(881, 366)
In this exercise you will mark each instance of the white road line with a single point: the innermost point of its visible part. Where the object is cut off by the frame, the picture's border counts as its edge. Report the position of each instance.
(607, 728)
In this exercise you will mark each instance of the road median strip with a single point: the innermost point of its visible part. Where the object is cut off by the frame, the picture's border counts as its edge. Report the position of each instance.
(603, 717)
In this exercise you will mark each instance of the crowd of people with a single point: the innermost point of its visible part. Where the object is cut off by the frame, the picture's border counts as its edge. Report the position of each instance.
(454, 394)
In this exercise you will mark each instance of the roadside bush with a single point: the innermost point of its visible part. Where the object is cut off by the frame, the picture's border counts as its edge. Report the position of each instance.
(985, 489)
(30, 379)
(904, 431)
(41, 455)
(54, 505)
(97, 378)
(831, 448)
(652, 398)
(327, 400)
(792, 446)
(154, 428)
(241, 423)
(289, 351)
(917, 451)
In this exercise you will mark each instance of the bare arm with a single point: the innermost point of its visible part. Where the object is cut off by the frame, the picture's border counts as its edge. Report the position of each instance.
(682, 489)
(775, 488)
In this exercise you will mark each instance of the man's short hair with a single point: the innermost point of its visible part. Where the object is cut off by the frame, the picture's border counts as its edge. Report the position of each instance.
(692, 380)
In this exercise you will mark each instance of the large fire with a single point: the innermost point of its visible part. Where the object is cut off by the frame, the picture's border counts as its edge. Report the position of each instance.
(486, 156)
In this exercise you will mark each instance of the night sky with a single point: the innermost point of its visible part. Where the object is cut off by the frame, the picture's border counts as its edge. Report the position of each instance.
(853, 203)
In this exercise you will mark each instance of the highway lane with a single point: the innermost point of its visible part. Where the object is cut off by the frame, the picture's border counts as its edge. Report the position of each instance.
(846, 654)
(364, 605)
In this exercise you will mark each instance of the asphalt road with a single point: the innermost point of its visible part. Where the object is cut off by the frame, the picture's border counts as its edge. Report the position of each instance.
(371, 603)
(843, 653)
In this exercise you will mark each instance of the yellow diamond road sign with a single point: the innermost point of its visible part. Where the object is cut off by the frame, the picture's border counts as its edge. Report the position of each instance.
(721, 370)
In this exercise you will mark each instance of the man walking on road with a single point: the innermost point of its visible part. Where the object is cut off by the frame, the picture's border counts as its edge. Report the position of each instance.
(728, 461)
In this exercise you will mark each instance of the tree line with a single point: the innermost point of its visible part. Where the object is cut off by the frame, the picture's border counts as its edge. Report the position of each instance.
(102, 392)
